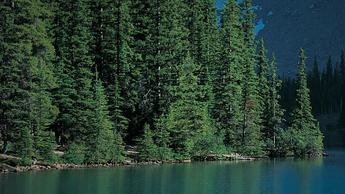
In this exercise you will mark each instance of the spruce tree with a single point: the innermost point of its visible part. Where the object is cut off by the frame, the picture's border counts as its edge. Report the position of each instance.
(144, 18)
(264, 77)
(27, 78)
(81, 60)
(43, 112)
(228, 76)
(146, 147)
(315, 87)
(15, 81)
(274, 114)
(65, 94)
(251, 142)
(171, 48)
(342, 86)
(304, 129)
(112, 36)
(188, 119)
(161, 40)
(74, 66)
(162, 139)
(101, 141)
(203, 36)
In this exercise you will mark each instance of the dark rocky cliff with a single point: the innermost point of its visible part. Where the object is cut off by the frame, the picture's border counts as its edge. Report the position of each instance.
(316, 25)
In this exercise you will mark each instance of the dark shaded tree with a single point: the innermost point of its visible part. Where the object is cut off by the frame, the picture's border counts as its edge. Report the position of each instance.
(304, 129)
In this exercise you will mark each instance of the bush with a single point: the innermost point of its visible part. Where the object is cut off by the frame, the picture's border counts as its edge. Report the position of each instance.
(208, 143)
(75, 154)
(146, 146)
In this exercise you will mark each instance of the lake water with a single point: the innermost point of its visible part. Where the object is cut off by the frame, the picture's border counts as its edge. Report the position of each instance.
(322, 176)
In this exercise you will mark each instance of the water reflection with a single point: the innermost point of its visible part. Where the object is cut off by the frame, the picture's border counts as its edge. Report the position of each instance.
(260, 177)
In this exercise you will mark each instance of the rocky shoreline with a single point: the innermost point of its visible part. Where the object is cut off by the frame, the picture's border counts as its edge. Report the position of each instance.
(10, 164)
(5, 168)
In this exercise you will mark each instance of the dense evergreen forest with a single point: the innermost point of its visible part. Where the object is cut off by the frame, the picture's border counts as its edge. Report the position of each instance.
(326, 88)
(89, 77)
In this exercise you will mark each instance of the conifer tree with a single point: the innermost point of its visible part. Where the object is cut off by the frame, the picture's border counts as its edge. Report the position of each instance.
(171, 49)
(251, 142)
(274, 114)
(43, 111)
(264, 78)
(342, 86)
(74, 66)
(16, 80)
(315, 87)
(161, 40)
(65, 94)
(203, 36)
(188, 118)
(81, 59)
(304, 129)
(162, 139)
(146, 146)
(27, 64)
(228, 92)
(144, 17)
(101, 141)
(112, 36)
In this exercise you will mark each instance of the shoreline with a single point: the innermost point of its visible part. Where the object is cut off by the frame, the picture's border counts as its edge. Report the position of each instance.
(6, 168)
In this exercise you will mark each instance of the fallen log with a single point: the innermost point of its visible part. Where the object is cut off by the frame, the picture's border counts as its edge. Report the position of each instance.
(10, 160)
(8, 157)
(8, 168)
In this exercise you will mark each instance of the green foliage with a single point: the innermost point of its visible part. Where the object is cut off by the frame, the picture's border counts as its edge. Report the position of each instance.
(304, 128)
(139, 49)
(208, 143)
(203, 37)
(146, 147)
(188, 118)
(228, 77)
(162, 139)
(73, 68)
(271, 112)
(65, 94)
(250, 138)
(44, 144)
(27, 79)
(117, 148)
(104, 144)
(75, 154)
(112, 38)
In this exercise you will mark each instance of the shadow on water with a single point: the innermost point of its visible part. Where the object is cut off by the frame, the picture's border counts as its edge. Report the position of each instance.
(261, 177)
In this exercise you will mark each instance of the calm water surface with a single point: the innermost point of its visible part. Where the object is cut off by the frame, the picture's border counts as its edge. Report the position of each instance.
(322, 176)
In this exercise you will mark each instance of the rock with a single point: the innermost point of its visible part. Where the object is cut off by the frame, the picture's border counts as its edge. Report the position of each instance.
(58, 153)
(127, 162)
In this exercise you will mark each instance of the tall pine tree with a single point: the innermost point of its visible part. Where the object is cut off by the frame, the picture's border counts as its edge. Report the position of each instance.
(74, 66)
(27, 79)
(228, 76)
(251, 139)
(112, 36)
(103, 145)
(274, 114)
(304, 129)
(188, 119)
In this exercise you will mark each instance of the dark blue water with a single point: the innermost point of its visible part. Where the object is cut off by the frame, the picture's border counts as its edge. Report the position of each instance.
(322, 176)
